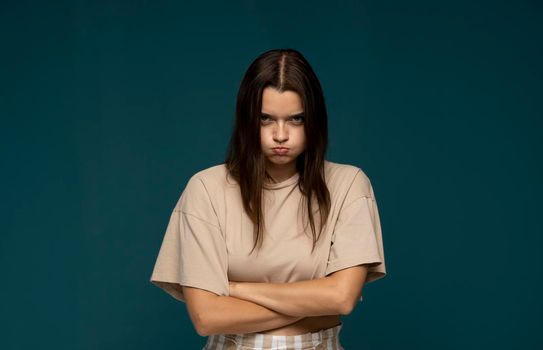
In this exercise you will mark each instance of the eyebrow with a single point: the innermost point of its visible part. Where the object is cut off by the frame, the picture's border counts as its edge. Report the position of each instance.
(301, 114)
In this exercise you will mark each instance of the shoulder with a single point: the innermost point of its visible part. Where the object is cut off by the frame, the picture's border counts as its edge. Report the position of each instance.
(203, 186)
(213, 178)
(340, 169)
(215, 173)
(345, 178)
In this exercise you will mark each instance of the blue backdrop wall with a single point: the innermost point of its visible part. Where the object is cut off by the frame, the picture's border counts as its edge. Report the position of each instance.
(108, 107)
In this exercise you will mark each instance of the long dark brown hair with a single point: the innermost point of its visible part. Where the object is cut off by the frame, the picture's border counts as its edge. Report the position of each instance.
(282, 69)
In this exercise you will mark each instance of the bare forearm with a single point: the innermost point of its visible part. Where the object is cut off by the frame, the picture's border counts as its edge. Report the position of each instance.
(233, 315)
(316, 297)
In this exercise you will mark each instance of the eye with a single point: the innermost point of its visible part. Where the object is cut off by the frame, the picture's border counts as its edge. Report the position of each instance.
(298, 119)
(264, 118)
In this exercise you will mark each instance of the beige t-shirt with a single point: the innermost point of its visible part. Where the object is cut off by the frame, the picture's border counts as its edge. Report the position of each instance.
(209, 235)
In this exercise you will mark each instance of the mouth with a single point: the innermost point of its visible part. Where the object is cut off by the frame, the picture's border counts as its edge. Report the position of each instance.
(280, 150)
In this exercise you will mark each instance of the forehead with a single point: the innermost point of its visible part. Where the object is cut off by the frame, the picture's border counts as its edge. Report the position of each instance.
(280, 103)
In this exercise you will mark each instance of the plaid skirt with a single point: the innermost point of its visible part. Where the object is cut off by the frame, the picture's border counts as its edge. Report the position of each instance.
(325, 339)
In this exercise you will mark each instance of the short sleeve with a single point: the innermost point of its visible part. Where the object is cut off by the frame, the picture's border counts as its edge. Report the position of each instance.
(193, 251)
(357, 237)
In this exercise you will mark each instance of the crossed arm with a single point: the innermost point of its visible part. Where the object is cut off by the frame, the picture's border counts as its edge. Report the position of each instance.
(253, 307)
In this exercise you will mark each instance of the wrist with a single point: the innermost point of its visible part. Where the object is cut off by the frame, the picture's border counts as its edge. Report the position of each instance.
(235, 288)
(232, 289)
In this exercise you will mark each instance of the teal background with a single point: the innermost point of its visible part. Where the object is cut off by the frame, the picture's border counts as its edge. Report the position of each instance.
(108, 107)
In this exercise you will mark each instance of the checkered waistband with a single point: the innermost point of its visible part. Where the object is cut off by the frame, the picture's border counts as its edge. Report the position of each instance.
(327, 339)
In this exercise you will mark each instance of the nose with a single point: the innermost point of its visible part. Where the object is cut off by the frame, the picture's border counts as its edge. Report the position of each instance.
(281, 133)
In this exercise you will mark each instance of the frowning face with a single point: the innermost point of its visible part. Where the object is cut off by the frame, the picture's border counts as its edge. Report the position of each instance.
(282, 132)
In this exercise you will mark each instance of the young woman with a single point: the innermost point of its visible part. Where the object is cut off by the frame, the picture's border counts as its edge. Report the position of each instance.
(271, 247)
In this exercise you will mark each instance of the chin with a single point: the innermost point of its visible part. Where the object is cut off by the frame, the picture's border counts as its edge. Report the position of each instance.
(273, 158)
